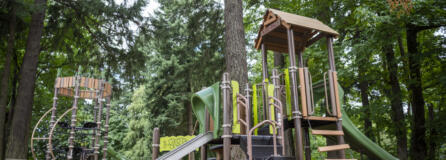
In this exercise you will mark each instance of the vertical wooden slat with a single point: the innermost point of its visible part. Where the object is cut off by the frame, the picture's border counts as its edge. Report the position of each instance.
(303, 94)
(338, 103)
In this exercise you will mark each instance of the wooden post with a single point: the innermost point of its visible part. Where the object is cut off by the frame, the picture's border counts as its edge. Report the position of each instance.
(303, 87)
(227, 128)
(155, 143)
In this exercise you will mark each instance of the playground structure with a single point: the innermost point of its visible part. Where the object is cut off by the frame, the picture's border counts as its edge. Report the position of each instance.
(71, 141)
(279, 123)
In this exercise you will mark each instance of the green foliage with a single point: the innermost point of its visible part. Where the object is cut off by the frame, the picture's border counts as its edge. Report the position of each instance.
(183, 44)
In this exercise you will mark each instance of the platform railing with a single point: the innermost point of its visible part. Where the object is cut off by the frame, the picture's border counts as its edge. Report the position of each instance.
(273, 124)
(242, 101)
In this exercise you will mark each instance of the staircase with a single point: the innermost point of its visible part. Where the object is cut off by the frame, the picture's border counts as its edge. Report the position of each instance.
(337, 147)
(262, 147)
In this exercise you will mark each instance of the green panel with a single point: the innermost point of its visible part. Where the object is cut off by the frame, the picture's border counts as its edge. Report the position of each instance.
(272, 109)
(254, 106)
(288, 93)
(209, 98)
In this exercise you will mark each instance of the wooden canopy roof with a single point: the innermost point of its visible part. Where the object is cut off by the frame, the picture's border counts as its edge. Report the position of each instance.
(273, 31)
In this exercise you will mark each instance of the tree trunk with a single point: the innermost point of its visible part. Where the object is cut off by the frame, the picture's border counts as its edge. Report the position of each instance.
(17, 147)
(5, 81)
(364, 89)
(406, 76)
(14, 82)
(418, 139)
(397, 106)
(432, 133)
(279, 60)
(235, 53)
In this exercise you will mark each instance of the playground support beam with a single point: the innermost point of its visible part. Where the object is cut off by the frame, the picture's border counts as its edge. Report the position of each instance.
(53, 114)
(227, 128)
(101, 101)
(307, 144)
(203, 149)
(296, 113)
(155, 143)
(334, 87)
(107, 118)
(73, 118)
(265, 83)
(249, 109)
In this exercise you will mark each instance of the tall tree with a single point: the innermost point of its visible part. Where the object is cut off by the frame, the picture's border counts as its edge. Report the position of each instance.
(423, 17)
(183, 44)
(395, 97)
(4, 84)
(17, 147)
(235, 52)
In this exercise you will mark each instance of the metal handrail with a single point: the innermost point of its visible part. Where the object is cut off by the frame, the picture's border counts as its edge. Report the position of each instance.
(34, 130)
(310, 79)
(273, 124)
(326, 96)
(239, 102)
(50, 148)
(280, 121)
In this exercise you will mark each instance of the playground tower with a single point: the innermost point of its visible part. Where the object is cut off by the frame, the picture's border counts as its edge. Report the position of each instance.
(69, 140)
(274, 119)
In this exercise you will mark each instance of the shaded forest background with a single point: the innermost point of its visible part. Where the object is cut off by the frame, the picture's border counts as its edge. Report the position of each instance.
(391, 62)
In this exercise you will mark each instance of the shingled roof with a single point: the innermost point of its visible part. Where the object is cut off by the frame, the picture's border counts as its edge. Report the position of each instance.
(306, 30)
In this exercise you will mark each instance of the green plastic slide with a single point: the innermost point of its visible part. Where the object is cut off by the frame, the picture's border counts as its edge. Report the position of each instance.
(210, 98)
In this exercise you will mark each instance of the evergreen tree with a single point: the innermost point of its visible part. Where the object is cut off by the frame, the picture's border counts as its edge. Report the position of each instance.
(183, 43)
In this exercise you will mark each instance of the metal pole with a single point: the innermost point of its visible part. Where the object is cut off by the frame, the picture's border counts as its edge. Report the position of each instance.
(248, 108)
(296, 112)
(107, 115)
(98, 120)
(227, 128)
(73, 118)
(307, 144)
(279, 116)
(203, 148)
(265, 83)
(95, 108)
(53, 112)
(330, 53)
(155, 143)
(340, 139)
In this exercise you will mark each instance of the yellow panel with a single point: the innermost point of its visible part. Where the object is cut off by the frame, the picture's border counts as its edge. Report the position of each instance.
(235, 91)
(170, 143)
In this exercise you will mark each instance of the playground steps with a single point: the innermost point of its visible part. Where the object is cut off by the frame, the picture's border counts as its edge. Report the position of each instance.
(321, 118)
(333, 148)
(327, 132)
(262, 147)
(337, 133)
